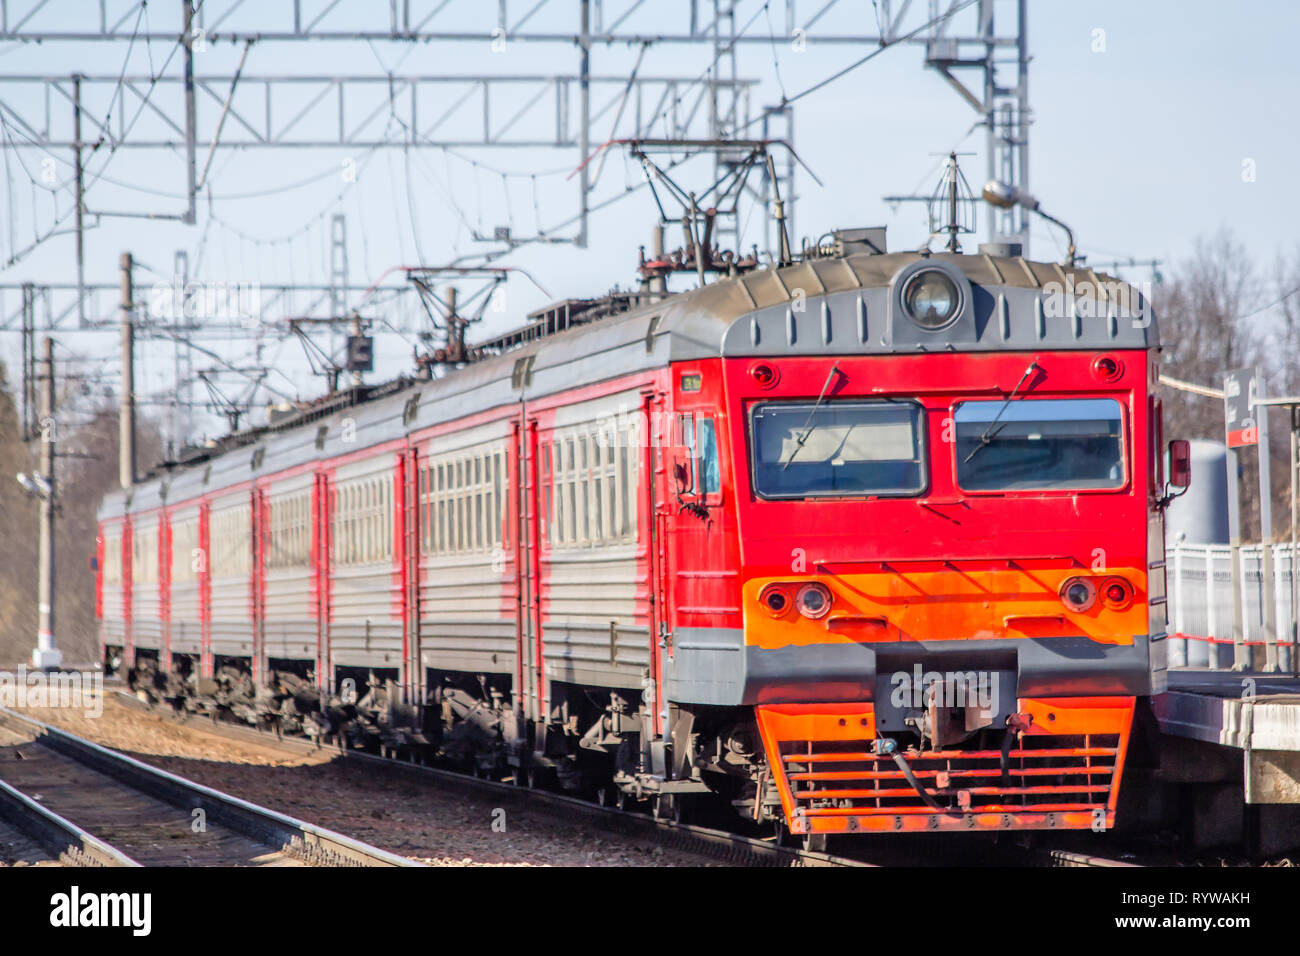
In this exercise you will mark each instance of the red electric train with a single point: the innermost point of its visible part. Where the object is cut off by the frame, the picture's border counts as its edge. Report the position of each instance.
(865, 542)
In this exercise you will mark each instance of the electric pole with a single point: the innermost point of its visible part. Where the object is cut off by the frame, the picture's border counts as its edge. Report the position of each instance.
(46, 655)
(126, 424)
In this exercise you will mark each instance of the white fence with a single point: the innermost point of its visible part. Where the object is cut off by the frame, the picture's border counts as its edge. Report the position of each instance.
(1200, 605)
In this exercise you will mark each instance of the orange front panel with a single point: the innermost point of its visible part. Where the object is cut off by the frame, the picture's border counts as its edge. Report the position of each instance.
(1063, 773)
(944, 605)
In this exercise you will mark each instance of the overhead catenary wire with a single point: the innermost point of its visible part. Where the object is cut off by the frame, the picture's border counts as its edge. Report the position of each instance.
(885, 45)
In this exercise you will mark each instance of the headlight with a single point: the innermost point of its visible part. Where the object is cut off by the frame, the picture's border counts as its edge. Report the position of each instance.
(774, 599)
(931, 299)
(1078, 594)
(813, 600)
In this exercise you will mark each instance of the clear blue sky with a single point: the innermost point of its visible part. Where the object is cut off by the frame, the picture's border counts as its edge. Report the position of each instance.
(1140, 148)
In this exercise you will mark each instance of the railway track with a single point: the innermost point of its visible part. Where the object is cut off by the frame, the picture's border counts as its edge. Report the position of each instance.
(56, 837)
(723, 845)
(89, 805)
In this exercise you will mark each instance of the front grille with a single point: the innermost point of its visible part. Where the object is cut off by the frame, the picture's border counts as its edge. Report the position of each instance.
(1043, 774)
(828, 772)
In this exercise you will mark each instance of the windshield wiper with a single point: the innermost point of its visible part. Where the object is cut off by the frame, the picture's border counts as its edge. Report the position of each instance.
(989, 433)
(808, 425)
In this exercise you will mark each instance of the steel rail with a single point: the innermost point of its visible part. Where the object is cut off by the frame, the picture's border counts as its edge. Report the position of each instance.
(62, 839)
(311, 843)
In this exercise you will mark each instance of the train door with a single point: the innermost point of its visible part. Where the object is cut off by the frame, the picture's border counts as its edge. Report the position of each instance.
(530, 670)
(658, 436)
(258, 509)
(128, 593)
(409, 497)
(205, 592)
(320, 550)
(165, 590)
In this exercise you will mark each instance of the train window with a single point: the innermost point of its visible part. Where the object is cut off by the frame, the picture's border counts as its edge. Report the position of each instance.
(582, 479)
(287, 541)
(480, 515)
(686, 425)
(232, 542)
(423, 494)
(1040, 444)
(462, 514)
(806, 449)
(113, 560)
(1156, 430)
(350, 530)
(627, 490)
(561, 500)
(379, 508)
(185, 539)
(571, 492)
(597, 507)
(708, 478)
(548, 509)
(144, 556)
(497, 499)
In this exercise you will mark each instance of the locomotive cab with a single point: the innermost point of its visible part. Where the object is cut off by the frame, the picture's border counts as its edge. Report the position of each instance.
(948, 500)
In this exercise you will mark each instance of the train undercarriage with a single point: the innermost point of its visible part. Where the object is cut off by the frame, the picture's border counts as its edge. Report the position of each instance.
(805, 771)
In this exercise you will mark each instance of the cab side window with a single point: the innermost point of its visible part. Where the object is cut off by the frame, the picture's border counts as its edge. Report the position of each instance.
(701, 441)
(708, 477)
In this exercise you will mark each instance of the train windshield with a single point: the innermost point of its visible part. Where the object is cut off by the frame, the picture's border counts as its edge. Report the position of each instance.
(1042, 444)
(805, 449)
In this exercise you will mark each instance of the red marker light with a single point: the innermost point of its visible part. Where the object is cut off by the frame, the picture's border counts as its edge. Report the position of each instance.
(765, 375)
(1117, 593)
(1107, 368)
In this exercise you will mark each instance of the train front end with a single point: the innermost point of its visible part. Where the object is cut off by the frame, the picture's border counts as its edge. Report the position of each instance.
(951, 545)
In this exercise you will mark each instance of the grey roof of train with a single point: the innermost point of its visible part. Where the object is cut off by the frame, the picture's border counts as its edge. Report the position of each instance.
(846, 311)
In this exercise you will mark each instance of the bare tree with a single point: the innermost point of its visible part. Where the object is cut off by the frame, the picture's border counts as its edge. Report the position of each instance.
(85, 469)
(1215, 316)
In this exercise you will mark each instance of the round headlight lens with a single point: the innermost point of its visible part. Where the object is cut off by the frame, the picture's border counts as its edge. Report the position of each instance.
(774, 599)
(1078, 594)
(813, 600)
(931, 299)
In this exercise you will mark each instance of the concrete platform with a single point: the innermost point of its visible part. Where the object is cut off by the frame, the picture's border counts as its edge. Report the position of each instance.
(1256, 714)
(1248, 711)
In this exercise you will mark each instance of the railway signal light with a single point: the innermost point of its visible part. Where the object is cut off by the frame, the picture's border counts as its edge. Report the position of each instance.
(361, 353)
